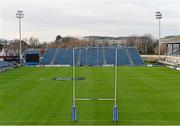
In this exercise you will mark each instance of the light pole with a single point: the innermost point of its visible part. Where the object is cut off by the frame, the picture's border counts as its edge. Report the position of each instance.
(159, 16)
(20, 15)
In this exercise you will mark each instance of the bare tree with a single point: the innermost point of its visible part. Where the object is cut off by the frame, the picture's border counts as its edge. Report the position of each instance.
(12, 48)
(132, 41)
(145, 44)
(58, 41)
(33, 42)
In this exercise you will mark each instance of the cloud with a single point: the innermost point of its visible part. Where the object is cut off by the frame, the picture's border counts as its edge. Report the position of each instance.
(47, 18)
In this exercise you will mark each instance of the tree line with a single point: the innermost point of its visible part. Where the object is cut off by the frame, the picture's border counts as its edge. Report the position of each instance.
(146, 44)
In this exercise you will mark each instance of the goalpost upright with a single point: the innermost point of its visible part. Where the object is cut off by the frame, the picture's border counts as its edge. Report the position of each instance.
(97, 57)
(115, 108)
(74, 90)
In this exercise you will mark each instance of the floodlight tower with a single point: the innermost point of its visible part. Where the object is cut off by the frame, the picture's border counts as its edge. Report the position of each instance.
(20, 15)
(159, 17)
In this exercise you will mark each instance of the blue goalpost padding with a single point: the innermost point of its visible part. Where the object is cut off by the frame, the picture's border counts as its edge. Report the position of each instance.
(115, 113)
(74, 113)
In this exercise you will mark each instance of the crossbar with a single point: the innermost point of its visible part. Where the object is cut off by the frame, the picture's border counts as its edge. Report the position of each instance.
(98, 99)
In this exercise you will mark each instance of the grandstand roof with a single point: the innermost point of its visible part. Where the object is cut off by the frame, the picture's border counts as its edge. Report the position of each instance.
(171, 40)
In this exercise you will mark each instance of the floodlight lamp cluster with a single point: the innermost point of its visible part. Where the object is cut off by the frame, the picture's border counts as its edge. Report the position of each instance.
(158, 15)
(19, 14)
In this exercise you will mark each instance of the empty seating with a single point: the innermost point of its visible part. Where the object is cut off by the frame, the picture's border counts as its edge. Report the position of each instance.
(5, 66)
(101, 56)
(48, 56)
(110, 56)
(137, 60)
(123, 57)
(80, 56)
(92, 57)
(64, 57)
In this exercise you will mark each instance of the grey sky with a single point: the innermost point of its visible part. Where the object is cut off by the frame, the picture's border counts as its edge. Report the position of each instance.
(47, 18)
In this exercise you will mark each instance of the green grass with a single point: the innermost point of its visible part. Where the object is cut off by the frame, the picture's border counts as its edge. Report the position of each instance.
(145, 96)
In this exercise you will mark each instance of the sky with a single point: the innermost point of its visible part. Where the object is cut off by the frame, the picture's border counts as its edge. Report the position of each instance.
(45, 19)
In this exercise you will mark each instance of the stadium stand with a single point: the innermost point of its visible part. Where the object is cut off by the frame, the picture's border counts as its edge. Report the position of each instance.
(123, 57)
(4, 66)
(92, 57)
(137, 60)
(48, 56)
(80, 56)
(63, 57)
(110, 55)
(101, 56)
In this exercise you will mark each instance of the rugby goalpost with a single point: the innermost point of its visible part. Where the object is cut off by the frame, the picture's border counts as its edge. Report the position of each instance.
(74, 99)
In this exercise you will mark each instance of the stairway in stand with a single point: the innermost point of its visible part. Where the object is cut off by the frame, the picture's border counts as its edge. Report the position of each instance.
(54, 57)
(129, 57)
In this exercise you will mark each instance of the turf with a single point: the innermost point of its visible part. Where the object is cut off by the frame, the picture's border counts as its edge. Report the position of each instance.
(145, 96)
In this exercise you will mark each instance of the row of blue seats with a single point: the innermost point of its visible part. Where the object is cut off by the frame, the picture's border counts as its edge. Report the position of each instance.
(92, 56)
(4, 66)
